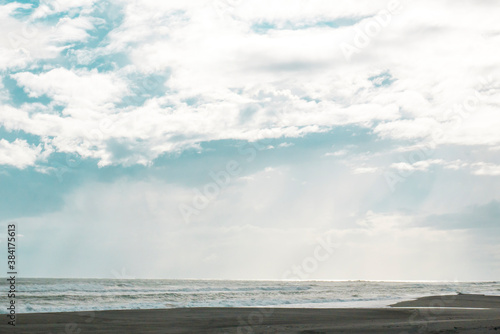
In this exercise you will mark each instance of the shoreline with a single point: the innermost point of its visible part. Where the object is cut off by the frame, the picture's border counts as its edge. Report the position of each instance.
(439, 314)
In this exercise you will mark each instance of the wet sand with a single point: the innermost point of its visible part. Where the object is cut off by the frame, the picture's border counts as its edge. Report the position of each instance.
(438, 314)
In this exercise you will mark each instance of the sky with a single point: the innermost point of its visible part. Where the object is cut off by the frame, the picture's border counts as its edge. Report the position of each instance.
(234, 139)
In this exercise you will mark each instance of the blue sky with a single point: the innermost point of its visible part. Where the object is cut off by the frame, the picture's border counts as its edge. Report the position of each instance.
(223, 139)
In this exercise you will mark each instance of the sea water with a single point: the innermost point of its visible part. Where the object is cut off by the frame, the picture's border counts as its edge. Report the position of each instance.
(59, 295)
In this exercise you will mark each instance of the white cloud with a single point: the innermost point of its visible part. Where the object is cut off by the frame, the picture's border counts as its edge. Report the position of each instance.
(288, 81)
(456, 164)
(476, 168)
(11, 54)
(422, 165)
(482, 168)
(4, 95)
(282, 145)
(73, 30)
(59, 6)
(18, 153)
(336, 153)
(407, 129)
(80, 88)
(364, 170)
(28, 40)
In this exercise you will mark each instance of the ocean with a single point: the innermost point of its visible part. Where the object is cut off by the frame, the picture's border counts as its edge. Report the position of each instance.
(59, 295)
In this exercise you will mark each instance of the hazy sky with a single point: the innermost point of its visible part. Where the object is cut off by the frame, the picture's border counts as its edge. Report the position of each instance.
(254, 139)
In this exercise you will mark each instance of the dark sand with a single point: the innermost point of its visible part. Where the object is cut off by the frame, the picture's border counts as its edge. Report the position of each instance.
(420, 316)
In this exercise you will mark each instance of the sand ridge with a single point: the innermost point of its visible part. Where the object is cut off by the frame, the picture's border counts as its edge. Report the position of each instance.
(457, 314)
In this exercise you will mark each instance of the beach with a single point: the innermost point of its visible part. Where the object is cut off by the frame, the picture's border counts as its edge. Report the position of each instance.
(437, 314)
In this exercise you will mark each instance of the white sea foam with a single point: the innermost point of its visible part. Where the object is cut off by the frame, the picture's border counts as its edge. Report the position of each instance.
(56, 295)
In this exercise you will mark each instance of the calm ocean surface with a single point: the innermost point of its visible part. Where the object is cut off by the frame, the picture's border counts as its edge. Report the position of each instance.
(53, 295)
